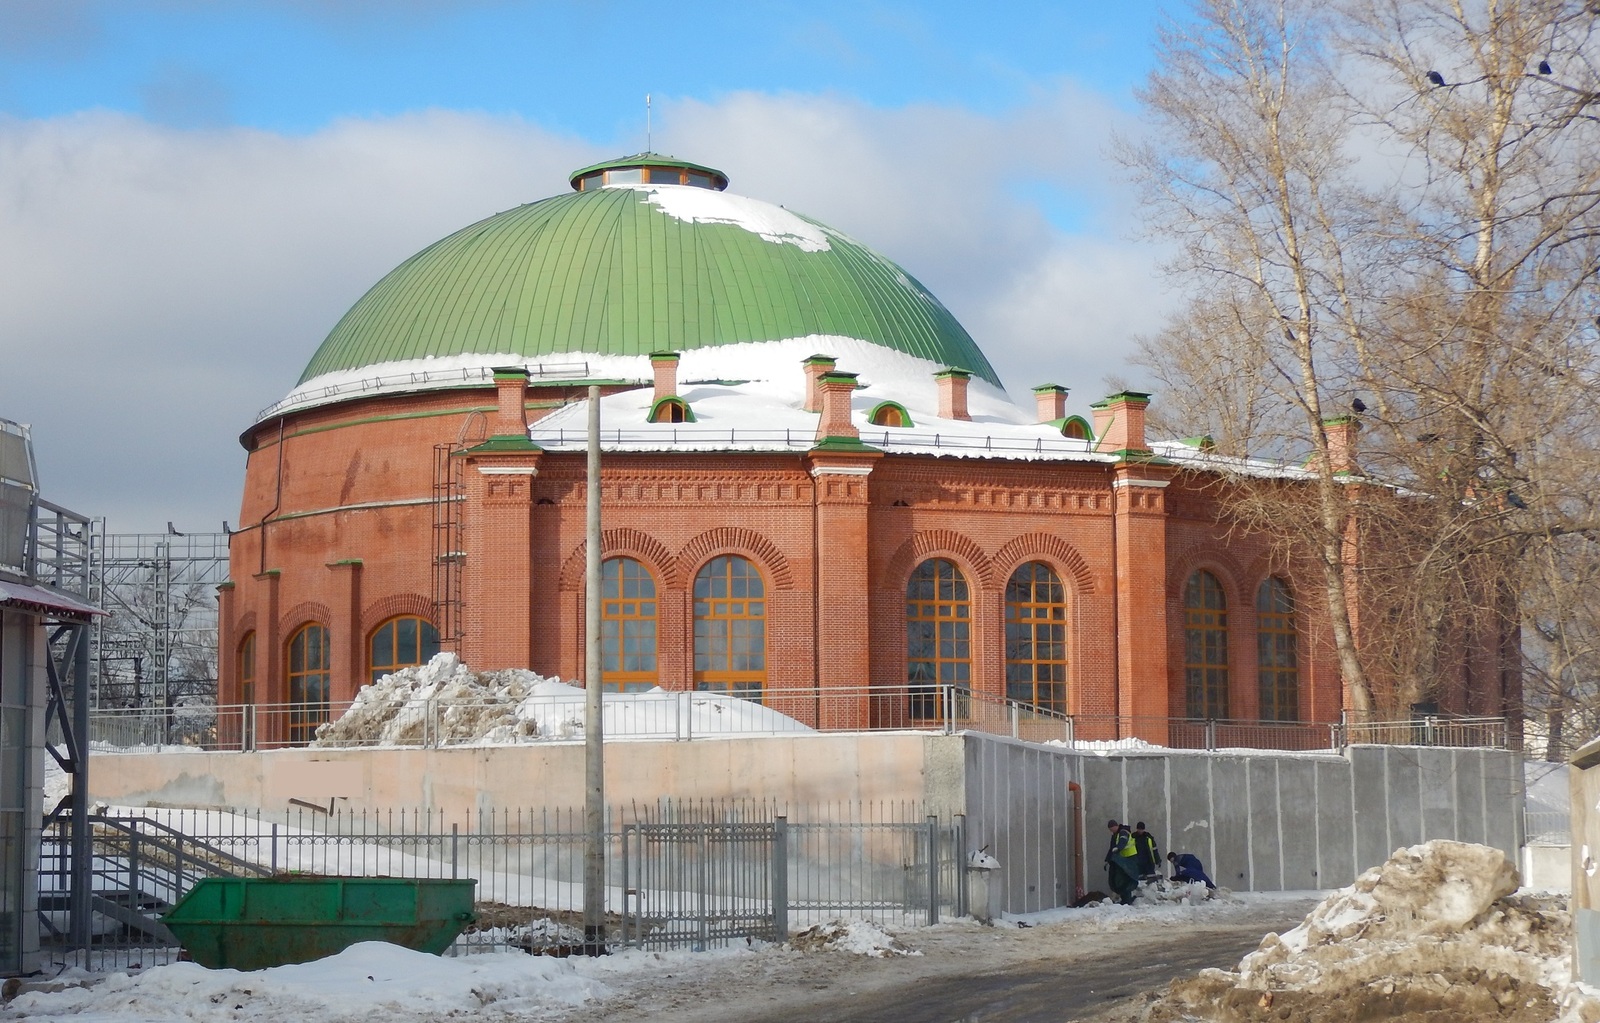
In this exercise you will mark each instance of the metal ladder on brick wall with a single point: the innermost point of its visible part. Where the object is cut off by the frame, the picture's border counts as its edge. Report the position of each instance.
(449, 550)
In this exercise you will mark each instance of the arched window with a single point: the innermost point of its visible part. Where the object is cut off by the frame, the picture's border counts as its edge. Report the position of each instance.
(938, 635)
(627, 626)
(1205, 657)
(1075, 428)
(308, 682)
(402, 642)
(1036, 638)
(730, 628)
(1277, 659)
(247, 668)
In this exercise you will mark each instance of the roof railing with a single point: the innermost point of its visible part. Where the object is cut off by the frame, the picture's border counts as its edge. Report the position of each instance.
(700, 436)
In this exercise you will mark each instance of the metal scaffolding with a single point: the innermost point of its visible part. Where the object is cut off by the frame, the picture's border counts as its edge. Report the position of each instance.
(158, 647)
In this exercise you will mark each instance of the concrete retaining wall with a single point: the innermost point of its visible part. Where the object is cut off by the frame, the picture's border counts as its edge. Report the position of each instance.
(1260, 821)
(802, 769)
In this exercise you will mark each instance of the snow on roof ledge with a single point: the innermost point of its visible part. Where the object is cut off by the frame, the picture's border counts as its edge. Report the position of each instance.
(775, 365)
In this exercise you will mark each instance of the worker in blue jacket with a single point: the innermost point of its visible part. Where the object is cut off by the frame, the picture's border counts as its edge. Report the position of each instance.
(1187, 867)
(1121, 869)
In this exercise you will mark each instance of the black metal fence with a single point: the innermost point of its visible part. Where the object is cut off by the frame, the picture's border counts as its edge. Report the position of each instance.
(679, 875)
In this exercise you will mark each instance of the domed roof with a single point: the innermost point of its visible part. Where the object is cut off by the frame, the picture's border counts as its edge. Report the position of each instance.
(628, 269)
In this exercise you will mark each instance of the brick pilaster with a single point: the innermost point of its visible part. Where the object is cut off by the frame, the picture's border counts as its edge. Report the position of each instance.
(497, 578)
(347, 653)
(272, 687)
(842, 604)
(1139, 507)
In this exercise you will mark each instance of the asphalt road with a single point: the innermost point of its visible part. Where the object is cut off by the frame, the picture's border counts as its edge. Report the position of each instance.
(1072, 988)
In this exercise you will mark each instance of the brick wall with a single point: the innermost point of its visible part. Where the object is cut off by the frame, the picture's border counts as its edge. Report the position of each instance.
(347, 499)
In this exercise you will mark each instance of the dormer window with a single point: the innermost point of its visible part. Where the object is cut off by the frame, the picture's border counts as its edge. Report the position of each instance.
(1074, 428)
(671, 410)
(889, 413)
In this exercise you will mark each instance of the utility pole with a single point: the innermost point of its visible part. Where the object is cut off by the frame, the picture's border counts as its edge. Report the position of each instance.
(594, 850)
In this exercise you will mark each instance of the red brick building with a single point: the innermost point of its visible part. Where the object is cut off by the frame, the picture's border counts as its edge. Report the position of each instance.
(812, 478)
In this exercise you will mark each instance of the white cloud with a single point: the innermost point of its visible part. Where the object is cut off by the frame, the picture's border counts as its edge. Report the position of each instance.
(164, 285)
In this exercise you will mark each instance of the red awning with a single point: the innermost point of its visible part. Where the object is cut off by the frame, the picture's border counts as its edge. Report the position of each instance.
(49, 602)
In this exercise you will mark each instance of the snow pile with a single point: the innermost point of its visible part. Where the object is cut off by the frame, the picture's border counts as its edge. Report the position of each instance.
(856, 936)
(371, 980)
(447, 703)
(1435, 932)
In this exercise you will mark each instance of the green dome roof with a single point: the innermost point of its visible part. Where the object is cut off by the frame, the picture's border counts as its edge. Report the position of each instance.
(633, 270)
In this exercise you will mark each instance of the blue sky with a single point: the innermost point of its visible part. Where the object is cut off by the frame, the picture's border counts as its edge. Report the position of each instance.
(193, 191)
(579, 67)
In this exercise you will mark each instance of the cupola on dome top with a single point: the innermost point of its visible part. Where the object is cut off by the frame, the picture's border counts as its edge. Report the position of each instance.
(646, 169)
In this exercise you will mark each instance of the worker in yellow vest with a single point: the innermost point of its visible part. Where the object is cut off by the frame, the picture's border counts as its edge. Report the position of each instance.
(1121, 868)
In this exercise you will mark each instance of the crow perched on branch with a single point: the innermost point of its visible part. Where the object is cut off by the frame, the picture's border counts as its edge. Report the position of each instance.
(1359, 405)
(1435, 78)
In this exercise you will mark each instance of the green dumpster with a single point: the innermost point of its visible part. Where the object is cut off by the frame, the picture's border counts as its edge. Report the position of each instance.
(250, 923)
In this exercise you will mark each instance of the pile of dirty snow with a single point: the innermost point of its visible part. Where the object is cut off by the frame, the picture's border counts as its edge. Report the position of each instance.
(856, 936)
(1434, 933)
(444, 702)
(365, 981)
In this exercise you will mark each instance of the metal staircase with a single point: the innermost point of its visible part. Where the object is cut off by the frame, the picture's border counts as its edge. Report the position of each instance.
(139, 868)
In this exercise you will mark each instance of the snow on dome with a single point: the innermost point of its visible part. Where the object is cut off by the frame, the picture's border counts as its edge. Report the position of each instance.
(446, 702)
(702, 206)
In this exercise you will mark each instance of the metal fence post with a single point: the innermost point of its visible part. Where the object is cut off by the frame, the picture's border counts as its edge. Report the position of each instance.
(1071, 736)
(274, 856)
(780, 878)
(627, 887)
(1211, 733)
(1016, 720)
(960, 847)
(455, 844)
(933, 869)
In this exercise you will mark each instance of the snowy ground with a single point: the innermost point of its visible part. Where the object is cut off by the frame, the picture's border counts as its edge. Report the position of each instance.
(1440, 928)
(743, 982)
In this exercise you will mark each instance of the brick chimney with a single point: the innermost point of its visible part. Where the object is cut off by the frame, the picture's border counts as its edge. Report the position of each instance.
(665, 365)
(1341, 434)
(816, 366)
(836, 390)
(1119, 422)
(1052, 402)
(953, 393)
(511, 392)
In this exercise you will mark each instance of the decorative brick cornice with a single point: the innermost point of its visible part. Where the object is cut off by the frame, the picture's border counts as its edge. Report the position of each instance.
(624, 543)
(1054, 551)
(304, 613)
(939, 543)
(736, 540)
(393, 606)
(1209, 557)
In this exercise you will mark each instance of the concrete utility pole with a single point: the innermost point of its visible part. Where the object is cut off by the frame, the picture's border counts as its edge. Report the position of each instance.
(594, 849)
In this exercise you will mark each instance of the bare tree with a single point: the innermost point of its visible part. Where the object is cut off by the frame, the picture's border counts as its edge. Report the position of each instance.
(1388, 207)
(1247, 166)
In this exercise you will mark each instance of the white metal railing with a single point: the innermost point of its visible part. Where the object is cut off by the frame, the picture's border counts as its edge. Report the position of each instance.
(684, 716)
(664, 437)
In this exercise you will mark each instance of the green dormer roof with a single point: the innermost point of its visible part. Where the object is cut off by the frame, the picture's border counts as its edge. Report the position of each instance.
(628, 271)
